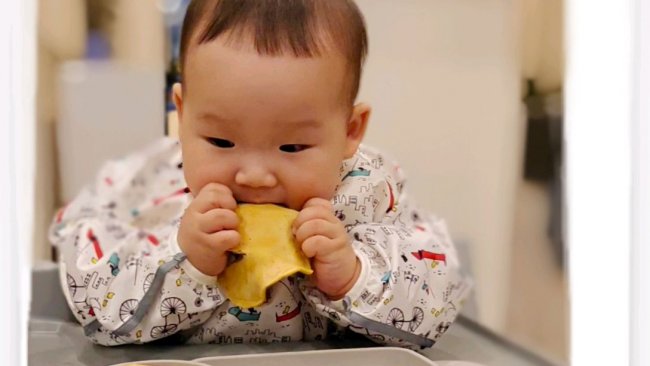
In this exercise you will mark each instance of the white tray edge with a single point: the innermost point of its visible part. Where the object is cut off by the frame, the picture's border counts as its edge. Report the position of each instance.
(337, 351)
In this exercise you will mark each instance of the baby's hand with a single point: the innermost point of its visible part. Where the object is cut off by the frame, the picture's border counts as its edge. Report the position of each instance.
(323, 238)
(208, 229)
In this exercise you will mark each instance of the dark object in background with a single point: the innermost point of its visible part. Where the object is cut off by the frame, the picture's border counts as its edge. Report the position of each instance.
(539, 154)
(543, 157)
(173, 27)
(97, 46)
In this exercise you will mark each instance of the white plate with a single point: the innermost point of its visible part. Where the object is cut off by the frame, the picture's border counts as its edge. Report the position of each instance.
(384, 356)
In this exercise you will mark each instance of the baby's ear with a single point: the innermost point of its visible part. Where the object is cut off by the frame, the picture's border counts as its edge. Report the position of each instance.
(356, 128)
(177, 91)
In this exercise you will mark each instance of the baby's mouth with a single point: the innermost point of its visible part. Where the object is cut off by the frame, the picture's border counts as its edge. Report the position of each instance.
(260, 202)
(234, 257)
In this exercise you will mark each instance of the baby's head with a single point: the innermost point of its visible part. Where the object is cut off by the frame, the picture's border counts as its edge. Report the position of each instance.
(267, 101)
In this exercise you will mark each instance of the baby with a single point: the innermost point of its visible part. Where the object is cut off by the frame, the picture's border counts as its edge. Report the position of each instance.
(267, 115)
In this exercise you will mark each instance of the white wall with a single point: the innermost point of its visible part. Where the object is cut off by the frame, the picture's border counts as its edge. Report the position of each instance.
(443, 79)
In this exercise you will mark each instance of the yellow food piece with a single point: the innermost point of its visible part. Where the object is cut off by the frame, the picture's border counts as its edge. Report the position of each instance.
(270, 254)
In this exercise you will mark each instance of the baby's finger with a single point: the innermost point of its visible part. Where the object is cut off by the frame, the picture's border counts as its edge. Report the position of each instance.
(218, 219)
(223, 240)
(316, 201)
(326, 250)
(317, 227)
(313, 213)
(314, 244)
(212, 196)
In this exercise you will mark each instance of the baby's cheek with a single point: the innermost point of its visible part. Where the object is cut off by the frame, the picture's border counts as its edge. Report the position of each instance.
(320, 186)
(198, 176)
(190, 180)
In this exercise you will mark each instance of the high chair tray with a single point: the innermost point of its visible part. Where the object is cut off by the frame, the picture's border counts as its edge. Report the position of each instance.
(384, 356)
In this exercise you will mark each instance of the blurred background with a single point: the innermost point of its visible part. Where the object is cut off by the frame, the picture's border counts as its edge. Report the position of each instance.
(466, 95)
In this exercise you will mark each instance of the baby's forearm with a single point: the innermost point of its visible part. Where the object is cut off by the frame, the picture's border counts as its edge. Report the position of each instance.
(409, 289)
(126, 280)
(115, 273)
(351, 282)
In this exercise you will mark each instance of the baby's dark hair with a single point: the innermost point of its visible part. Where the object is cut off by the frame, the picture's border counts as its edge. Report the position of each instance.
(304, 28)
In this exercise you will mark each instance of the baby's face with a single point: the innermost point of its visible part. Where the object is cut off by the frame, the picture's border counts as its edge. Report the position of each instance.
(272, 129)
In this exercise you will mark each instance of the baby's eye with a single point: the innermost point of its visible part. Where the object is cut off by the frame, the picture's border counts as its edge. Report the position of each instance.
(224, 144)
(293, 148)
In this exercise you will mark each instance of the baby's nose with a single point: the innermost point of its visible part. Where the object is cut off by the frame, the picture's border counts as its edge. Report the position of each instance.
(256, 176)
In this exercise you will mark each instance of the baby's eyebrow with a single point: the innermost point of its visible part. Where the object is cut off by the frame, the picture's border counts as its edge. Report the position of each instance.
(307, 123)
(295, 124)
(211, 116)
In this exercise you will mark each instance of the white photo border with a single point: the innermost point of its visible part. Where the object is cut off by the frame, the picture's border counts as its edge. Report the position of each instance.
(640, 280)
(17, 162)
(599, 138)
